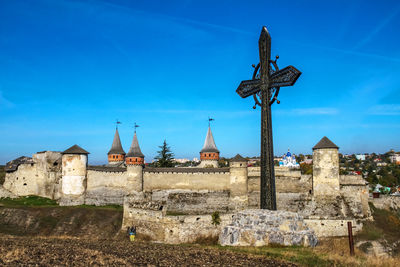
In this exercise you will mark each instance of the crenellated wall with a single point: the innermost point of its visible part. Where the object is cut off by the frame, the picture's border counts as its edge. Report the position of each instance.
(105, 187)
(215, 179)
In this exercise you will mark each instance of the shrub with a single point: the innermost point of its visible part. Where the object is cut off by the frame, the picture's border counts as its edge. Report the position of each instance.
(216, 220)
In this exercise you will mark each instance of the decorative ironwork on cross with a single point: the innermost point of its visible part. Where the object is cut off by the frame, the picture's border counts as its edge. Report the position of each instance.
(265, 86)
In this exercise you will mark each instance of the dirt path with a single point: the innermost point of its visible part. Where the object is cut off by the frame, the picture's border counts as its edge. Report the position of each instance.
(83, 252)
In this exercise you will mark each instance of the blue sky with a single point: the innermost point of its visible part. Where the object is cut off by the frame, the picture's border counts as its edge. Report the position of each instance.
(69, 69)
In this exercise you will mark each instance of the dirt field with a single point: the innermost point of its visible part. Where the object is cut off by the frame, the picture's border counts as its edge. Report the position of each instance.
(83, 252)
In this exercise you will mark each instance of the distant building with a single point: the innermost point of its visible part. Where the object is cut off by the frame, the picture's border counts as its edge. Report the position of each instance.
(181, 160)
(360, 157)
(394, 157)
(254, 160)
(307, 161)
(195, 160)
(289, 160)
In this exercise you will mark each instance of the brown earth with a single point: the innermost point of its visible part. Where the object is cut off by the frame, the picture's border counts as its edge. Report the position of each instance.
(24, 251)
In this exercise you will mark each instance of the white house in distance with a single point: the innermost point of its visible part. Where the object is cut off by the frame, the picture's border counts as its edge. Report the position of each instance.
(360, 157)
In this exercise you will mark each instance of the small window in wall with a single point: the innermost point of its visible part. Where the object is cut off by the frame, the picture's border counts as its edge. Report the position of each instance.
(24, 183)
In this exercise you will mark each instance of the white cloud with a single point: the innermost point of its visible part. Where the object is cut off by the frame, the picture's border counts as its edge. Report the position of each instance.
(385, 110)
(4, 103)
(308, 111)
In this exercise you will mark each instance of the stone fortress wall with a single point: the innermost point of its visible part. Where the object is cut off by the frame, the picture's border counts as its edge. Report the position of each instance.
(326, 200)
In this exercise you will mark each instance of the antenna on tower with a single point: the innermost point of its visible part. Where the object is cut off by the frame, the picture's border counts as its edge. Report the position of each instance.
(116, 123)
(210, 120)
(135, 126)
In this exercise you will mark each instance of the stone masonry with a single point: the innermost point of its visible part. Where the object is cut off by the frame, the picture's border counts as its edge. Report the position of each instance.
(264, 227)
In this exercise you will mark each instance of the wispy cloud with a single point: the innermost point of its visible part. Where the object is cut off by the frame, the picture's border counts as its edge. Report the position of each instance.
(377, 29)
(308, 111)
(385, 110)
(351, 52)
(181, 20)
(4, 103)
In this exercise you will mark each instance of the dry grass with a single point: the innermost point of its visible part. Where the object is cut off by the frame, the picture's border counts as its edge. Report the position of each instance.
(207, 240)
(329, 252)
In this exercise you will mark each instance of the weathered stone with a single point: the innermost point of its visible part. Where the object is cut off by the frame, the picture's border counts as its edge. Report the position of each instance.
(263, 227)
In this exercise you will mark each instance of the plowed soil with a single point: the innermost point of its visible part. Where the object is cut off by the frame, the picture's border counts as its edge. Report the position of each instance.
(37, 251)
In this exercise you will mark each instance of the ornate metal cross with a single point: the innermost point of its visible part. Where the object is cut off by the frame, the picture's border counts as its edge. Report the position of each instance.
(266, 82)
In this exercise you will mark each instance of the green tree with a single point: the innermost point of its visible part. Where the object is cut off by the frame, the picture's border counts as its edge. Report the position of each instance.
(165, 156)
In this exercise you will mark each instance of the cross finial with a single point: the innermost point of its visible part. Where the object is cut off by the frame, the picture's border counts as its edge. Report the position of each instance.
(210, 120)
(116, 124)
(135, 126)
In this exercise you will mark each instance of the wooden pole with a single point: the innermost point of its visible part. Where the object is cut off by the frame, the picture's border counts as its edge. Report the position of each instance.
(351, 241)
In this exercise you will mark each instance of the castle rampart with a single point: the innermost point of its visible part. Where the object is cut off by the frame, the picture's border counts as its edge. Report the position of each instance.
(214, 179)
(326, 199)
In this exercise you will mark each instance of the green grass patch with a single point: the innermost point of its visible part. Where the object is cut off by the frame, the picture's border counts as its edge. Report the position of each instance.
(108, 207)
(36, 201)
(386, 225)
(295, 254)
(28, 201)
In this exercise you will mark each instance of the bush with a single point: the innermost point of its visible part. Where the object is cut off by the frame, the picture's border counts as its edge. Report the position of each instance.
(216, 220)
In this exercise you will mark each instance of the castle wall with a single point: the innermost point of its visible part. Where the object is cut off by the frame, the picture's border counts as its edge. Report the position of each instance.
(106, 187)
(286, 180)
(196, 202)
(41, 177)
(387, 202)
(186, 178)
(23, 181)
(355, 191)
(151, 221)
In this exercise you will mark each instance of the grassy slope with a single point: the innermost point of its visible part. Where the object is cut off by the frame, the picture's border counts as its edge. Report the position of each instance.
(37, 216)
(105, 222)
(386, 225)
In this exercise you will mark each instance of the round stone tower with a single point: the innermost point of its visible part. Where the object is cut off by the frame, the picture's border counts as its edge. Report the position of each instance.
(326, 168)
(134, 162)
(116, 155)
(209, 155)
(238, 182)
(74, 169)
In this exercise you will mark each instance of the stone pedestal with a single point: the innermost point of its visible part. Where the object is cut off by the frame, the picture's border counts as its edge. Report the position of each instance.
(264, 227)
